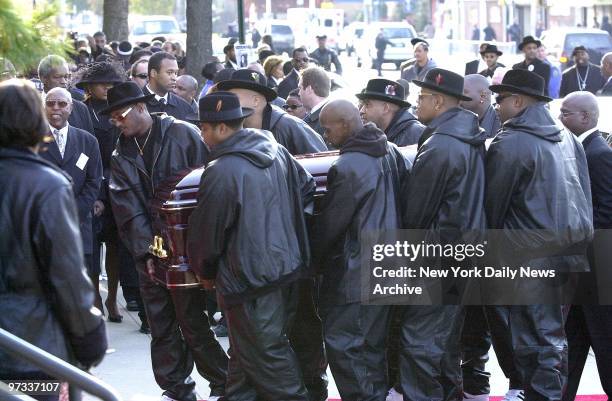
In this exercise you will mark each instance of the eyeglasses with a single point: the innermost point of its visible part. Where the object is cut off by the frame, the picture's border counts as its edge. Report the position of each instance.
(501, 98)
(292, 106)
(141, 76)
(121, 117)
(60, 103)
(423, 95)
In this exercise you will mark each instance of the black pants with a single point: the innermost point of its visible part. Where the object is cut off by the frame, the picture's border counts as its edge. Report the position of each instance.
(589, 326)
(355, 341)
(394, 348)
(539, 348)
(263, 366)
(306, 336)
(181, 336)
(431, 353)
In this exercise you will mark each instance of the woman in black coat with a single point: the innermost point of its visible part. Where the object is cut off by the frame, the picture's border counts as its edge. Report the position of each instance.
(46, 297)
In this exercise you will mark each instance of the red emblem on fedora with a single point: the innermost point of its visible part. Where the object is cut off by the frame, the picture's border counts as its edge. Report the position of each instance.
(390, 90)
(439, 79)
(219, 105)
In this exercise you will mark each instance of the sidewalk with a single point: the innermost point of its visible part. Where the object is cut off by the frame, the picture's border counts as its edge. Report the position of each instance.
(127, 366)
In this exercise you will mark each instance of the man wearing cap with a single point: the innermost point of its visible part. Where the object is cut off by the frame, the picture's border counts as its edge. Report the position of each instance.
(295, 135)
(490, 54)
(363, 194)
(326, 57)
(529, 46)
(606, 71)
(124, 51)
(476, 87)
(151, 149)
(582, 76)
(444, 194)
(163, 74)
(248, 239)
(472, 67)
(382, 103)
(537, 179)
(299, 62)
(422, 61)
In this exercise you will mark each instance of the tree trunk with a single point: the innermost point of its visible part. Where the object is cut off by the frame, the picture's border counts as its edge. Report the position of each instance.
(199, 37)
(115, 24)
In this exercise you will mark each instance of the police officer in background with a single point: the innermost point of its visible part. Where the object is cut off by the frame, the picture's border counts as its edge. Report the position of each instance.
(326, 57)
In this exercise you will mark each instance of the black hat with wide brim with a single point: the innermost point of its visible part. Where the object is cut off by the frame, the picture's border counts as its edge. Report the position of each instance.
(221, 106)
(491, 49)
(443, 81)
(384, 90)
(100, 73)
(527, 40)
(251, 80)
(124, 94)
(522, 82)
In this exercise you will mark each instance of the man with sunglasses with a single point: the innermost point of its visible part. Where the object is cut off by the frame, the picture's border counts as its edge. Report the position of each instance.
(537, 194)
(77, 153)
(299, 62)
(444, 195)
(138, 73)
(294, 105)
(151, 149)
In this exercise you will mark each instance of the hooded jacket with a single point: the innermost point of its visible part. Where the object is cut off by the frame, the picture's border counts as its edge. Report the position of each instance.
(363, 194)
(490, 122)
(291, 132)
(46, 297)
(248, 231)
(404, 129)
(538, 179)
(132, 187)
(445, 190)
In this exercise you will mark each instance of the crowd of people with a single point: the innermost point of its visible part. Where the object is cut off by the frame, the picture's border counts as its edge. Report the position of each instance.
(83, 152)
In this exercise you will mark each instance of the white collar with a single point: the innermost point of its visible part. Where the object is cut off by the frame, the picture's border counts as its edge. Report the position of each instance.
(318, 106)
(234, 65)
(585, 134)
(63, 131)
(157, 97)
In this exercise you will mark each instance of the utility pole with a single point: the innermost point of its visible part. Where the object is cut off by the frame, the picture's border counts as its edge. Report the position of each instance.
(241, 34)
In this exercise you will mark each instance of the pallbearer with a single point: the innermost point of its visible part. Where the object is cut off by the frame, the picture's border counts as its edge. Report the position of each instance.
(247, 238)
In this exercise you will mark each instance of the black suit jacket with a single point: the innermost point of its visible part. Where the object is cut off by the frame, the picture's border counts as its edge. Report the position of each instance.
(599, 159)
(80, 117)
(569, 80)
(472, 67)
(539, 67)
(606, 90)
(85, 181)
(176, 107)
(312, 119)
(288, 84)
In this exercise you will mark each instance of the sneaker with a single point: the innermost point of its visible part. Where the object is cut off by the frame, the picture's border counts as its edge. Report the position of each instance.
(220, 330)
(393, 395)
(514, 395)
(479, 397)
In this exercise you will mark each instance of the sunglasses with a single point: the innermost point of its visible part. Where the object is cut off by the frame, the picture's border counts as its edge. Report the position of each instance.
(60, 103)
(121, 117)
(292, 106)
(141, 76)
(501, 98)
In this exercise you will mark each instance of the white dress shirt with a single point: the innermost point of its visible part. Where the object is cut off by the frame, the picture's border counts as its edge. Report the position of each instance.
(585, 134)
(157, 97)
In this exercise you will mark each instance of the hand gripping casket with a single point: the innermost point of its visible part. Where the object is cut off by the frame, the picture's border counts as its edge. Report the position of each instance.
(175, 200)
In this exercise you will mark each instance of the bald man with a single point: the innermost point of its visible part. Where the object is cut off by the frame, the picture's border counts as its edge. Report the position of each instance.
(187, 87)
(590, 325)
(362, 195)
(75, 151)
(476, 86)
(606, 71)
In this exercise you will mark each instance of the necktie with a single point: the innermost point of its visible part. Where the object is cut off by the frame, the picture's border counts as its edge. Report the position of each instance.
(60, 141)
(162, 101)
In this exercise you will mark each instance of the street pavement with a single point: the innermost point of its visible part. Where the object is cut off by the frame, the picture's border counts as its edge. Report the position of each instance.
(127, 365)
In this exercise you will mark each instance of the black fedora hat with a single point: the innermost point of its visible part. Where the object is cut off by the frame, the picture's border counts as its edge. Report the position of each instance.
(443, 81)
(527, 40)
(491, 49)
(100, 73)
(522, 82)
(124, 94)
(248, 79)
(385, 90)
(414, 41)
(222, 106)
(322, 36)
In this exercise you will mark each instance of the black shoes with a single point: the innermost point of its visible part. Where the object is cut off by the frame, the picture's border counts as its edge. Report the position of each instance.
(144, 328)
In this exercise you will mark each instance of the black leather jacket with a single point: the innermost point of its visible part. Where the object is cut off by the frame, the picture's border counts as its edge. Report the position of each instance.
(291, 132)
(46, 297)
(404, 129)
(132, 187)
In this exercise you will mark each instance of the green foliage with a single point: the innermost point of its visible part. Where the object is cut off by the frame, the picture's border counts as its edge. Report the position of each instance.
(25, 42)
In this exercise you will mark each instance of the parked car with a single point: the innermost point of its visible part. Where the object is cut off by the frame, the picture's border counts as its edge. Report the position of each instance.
(399, 33)
(560, 42)
(144, 28)
(283, 38)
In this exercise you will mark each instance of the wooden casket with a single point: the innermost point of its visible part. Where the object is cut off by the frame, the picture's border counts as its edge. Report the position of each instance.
(175, 200)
